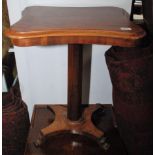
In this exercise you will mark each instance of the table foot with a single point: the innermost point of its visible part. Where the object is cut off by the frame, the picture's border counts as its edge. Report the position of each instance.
(61, 123)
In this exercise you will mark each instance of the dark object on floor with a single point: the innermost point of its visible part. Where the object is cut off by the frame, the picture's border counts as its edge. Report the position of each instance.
(42, 117)
(148, 15)
(103, 118)
(15, 123)
(131, 74)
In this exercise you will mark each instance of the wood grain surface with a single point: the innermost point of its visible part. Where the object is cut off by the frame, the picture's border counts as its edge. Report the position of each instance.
(42, 117)
(43, 25)
(61, 123)
(75, 61)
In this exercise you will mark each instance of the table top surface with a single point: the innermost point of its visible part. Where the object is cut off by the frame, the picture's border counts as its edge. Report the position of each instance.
(43, 25)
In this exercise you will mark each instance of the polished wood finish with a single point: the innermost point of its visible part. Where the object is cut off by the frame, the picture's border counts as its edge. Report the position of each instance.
(61, 123)
(67, 143)
(42, 117)
(75, 58)
(42, 25)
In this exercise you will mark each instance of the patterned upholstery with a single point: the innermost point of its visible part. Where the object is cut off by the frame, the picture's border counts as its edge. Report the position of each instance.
(131, 72)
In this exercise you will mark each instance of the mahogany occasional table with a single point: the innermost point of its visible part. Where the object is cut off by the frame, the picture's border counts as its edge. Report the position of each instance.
(75, 26)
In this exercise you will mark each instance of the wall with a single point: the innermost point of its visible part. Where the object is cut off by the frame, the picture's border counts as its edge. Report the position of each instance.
(42, 71)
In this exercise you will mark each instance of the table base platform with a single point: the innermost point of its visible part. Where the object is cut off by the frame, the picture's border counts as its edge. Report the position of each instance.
(51, 133)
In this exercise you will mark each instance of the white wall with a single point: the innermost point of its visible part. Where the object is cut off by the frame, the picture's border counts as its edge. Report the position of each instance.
(43, 70)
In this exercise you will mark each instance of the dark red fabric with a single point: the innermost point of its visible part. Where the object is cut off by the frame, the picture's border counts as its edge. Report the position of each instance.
(131, 72)
(15, 123)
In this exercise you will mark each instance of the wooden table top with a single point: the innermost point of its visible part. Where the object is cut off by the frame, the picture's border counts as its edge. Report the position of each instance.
(43, 25)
